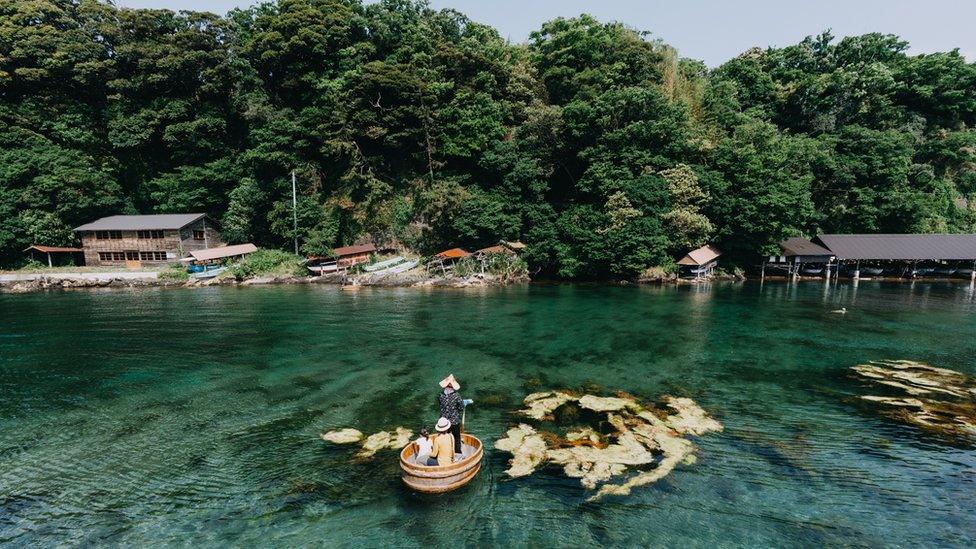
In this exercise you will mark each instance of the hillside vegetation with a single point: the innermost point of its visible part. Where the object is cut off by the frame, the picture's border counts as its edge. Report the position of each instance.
(593, 143)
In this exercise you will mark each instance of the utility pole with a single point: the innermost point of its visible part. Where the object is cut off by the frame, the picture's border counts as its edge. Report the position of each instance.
(294, 209)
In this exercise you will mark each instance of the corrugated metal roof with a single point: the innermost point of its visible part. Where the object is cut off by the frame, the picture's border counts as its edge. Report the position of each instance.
(155, 222)
(353, 250)
(53, 249)
(223, 251)
(900, 246)
(453, 253)
(702, 256)
(802, 246)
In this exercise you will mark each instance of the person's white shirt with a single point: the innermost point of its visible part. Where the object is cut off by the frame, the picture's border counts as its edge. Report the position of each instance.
(424, 446)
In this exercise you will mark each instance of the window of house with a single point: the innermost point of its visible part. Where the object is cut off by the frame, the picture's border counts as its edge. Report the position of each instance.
(152, 256)
(132, 256)
(150, 235)
(108, 235)
(111, 256)
(198, 235)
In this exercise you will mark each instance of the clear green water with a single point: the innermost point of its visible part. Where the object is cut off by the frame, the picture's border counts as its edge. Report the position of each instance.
(192, 416)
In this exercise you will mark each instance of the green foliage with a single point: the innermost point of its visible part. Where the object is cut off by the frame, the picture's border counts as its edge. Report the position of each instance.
(268, 263)
(687, 227)
(596, 145)
(174, 271)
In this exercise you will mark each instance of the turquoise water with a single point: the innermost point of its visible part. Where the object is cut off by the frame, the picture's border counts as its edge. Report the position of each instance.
(191, 416)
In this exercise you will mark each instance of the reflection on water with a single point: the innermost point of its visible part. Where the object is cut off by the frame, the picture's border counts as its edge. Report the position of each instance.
(192, 416)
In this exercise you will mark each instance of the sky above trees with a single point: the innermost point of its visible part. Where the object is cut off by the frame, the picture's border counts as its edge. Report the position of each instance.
(713, 30)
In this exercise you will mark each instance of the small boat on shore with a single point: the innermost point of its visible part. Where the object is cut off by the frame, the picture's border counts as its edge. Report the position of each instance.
(440, 479)
(209, 272)
(383, 265)
(403, 267)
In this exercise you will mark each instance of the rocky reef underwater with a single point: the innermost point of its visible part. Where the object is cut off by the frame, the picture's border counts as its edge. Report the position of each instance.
(934, 399)
(609, 437)
(613, 435)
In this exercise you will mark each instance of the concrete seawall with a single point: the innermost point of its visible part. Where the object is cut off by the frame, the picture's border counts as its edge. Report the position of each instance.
(93, 277)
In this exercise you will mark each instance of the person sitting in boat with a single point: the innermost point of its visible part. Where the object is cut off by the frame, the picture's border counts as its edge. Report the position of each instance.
(443, 447)
(424, 446)
(452, 406)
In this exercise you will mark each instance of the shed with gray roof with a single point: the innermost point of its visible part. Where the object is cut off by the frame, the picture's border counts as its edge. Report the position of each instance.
(900, 247)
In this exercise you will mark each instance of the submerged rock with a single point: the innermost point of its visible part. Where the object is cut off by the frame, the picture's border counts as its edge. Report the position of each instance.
(585, 435)
(527, 447)
(639, 435)
(936, 399)
(383, 440)
(542, 405)
(392, 440)
(690, 419)
(342, 436)
(607, 404)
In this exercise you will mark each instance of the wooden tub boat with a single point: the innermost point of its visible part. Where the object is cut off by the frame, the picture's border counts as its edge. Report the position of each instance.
(439, 479)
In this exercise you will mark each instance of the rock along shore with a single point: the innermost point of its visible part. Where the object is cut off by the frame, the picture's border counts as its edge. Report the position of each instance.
(44, 283)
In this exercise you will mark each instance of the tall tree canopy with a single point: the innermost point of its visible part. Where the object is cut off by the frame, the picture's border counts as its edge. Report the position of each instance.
(595, 144)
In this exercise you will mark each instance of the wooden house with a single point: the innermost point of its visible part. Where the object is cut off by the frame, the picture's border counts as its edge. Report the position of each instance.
(800, 255)
(699, 263)
(348, 256)
(134, 241)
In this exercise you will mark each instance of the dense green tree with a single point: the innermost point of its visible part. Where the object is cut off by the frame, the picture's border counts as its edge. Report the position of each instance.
(594, 143)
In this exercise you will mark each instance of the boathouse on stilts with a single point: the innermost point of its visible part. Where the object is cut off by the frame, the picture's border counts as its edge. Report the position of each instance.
(860, 256)
(699, 263)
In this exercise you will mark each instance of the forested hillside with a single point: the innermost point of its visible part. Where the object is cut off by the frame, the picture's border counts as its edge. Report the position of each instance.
(593, 143)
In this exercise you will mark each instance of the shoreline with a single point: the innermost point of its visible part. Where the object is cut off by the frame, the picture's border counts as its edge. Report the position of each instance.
(38, 282)
(41, 282)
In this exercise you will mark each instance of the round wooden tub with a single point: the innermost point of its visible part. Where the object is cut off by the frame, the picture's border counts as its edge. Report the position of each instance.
(438, 479)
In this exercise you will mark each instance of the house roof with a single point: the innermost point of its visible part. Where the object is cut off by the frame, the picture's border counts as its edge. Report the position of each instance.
(141, 222)
(53, 249)
(223, 251)
(802, 246)
(513, 245)
(354, 250)
(702, 256)
(900, 246)
(453, 253)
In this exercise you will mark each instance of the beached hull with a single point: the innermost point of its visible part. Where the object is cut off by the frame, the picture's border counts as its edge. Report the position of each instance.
(437, 480)
(203, 275)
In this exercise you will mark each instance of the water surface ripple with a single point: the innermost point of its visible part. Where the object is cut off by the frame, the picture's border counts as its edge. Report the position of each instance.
(192, 416)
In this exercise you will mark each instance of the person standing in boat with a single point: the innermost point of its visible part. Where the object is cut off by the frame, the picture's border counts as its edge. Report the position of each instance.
(452, 406)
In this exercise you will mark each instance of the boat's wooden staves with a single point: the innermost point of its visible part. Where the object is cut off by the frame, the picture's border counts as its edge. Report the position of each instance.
(435, 480)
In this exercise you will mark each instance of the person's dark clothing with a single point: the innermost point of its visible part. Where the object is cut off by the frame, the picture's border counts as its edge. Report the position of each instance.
(456, 431)
(452, 408)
